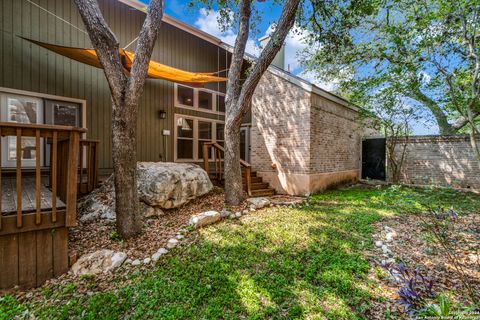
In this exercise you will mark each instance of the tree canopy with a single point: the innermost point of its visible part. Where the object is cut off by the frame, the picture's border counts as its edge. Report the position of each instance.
(425, 52)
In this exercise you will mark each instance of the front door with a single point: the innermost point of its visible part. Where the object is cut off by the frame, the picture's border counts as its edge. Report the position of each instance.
(245, 144)
(20, 109)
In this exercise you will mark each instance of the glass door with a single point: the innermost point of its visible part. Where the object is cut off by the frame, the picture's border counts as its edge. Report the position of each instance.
(245, 143)
(20, 109)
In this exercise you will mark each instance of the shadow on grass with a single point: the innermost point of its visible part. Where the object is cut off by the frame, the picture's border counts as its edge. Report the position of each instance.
(275, 263)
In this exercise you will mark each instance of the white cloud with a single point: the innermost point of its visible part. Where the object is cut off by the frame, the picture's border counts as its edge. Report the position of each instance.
(208, 22)
(294, 44)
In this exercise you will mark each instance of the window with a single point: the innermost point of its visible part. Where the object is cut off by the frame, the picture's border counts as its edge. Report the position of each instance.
(191, 133)
(221, 134)
(205, 100)
(63, 113)
(221, 103)
(184, 138)
(185, 96)
(199, 99)
(32, 108)
(20, 109)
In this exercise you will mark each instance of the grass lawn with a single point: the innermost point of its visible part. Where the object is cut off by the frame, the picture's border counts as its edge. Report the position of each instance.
(278, 263)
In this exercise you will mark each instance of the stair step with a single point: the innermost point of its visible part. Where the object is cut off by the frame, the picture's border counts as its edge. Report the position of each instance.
(253, 180)
(263, 192)
(257, 185)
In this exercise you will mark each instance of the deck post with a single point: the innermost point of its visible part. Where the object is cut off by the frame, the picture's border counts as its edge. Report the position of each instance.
(71, 185)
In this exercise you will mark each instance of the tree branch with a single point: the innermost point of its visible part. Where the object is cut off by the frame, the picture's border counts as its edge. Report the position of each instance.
(285, 23)
(106, 45)
(143, 52)
(234, 74)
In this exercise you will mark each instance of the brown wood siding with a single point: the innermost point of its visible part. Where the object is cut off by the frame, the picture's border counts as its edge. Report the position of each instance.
(27, 67)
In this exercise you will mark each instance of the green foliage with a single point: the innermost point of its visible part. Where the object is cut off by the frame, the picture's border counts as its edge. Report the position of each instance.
(114, 236)
(413, 50)
(280, 263)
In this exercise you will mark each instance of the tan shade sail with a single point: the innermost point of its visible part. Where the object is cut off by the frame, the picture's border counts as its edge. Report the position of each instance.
(156, 70)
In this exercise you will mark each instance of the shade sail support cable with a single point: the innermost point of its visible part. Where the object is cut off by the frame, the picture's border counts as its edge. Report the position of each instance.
(59, 18)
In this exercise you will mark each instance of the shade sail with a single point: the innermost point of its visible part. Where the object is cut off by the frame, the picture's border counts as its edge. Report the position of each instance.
(156, 70)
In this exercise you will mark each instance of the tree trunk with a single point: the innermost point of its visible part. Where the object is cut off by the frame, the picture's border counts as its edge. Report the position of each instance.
(124, 142)
(233, 184)
(239, 95)
(441, 118)
(125, 93)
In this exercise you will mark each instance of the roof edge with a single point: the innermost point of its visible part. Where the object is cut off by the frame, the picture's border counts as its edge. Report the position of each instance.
(216, 41)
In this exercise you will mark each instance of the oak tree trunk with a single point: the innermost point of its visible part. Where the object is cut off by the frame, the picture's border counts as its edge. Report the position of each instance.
(125, 92)
(239, 95)
(124, 152)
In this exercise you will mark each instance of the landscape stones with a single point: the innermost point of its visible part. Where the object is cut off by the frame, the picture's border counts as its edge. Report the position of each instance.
(238, 214)
(136, 262)
(172, 243)
(100, 261)
(162, 251)
(378, 244)
(259, 202)
(147, 260)
(156, 256)
(205, 218)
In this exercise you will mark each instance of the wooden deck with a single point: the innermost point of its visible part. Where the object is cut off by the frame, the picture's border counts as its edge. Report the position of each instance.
(9, 196)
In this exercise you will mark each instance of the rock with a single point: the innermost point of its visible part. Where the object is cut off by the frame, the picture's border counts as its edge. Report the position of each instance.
(179, 236)
(389, 237)
(170, 185)
(147, 260)
(156, 256)
(136, 262)
(378, 244)
(225, 213)
(172, 243)
(160, 185)
(205, 218)
(474, 258)
(245, 211)
(385, 250)
(162, 251)
(150, 212)
(232, 216)
(252, 209)
(259, 202)
(100, 261)
(129, 261)
(238, 214)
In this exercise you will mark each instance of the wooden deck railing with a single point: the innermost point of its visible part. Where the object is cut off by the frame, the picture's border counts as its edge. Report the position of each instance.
(88, 165)
(217, 153)
(65, 142)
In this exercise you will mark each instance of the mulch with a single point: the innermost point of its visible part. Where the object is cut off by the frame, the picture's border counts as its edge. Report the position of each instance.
(416, 248)
(92, 236)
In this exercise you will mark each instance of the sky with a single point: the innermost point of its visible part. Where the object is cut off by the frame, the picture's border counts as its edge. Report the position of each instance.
(207, 21)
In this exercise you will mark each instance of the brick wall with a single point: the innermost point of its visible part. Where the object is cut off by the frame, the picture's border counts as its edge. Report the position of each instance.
(280, 130)
(440, 160)
(314, 141)
(335, 137)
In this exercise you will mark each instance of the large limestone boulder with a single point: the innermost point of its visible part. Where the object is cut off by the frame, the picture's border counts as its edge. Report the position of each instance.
(160, 185)
(169, 185)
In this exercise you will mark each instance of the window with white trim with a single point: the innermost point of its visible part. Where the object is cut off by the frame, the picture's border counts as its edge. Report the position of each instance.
(192, 132)
(199, 99)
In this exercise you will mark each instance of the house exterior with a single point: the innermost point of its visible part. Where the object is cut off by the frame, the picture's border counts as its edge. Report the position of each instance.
(298, 138)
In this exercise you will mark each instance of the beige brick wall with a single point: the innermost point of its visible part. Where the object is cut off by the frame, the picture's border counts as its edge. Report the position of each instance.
(315, 142)
(280, 126)
(335, 137)
(440, 160)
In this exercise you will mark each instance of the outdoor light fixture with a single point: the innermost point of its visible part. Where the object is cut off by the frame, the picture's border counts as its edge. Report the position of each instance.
(162, 114)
